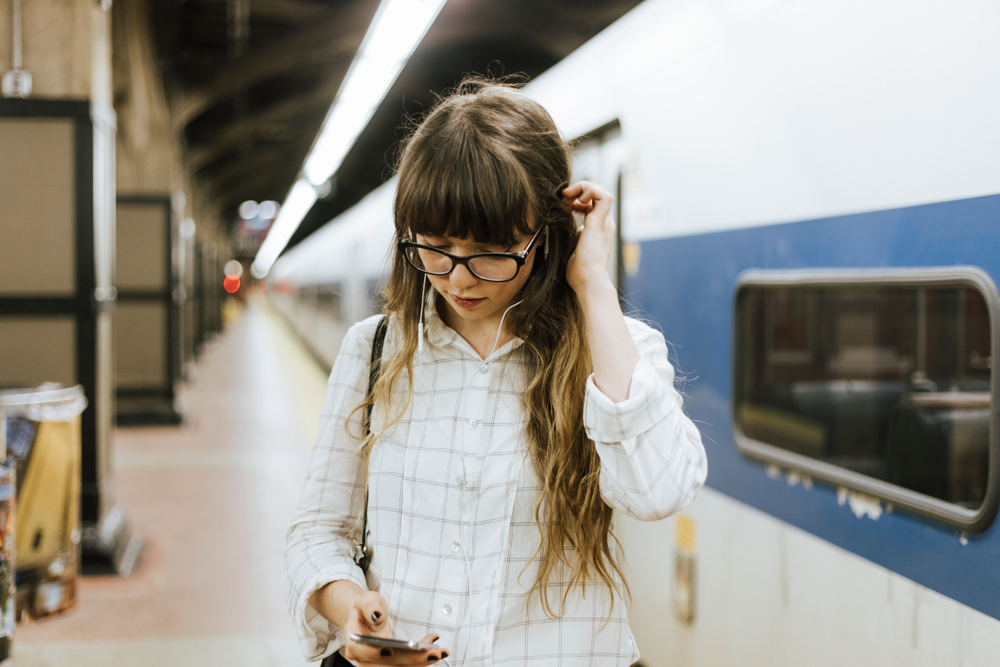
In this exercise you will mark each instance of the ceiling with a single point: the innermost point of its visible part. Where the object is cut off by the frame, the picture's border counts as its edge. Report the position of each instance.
(252, 80)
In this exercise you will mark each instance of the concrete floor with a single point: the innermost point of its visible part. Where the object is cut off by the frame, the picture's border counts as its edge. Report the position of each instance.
(212, 499)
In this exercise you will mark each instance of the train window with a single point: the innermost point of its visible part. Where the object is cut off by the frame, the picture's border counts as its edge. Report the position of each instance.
(328, 300)
(879, 381)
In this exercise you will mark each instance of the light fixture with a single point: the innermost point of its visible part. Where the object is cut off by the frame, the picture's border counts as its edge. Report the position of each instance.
(249, 209)
(268, 209)
(187, 228)
(393, 35)
(233, 268)
(300, 199)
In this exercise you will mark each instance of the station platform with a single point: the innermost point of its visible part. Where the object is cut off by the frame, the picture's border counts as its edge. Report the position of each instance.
(212, 500)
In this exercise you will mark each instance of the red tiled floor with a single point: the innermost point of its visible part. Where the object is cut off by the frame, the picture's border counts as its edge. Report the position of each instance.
(212, 500)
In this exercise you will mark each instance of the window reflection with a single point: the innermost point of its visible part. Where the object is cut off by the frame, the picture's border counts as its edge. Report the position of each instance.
(889, 381)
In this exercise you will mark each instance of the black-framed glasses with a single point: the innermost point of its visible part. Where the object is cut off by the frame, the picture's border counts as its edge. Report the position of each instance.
(494, 267)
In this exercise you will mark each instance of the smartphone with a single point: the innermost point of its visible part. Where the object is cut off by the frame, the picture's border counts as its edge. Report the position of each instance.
(400, 644)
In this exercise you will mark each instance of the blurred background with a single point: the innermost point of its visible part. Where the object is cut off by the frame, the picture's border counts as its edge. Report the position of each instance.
(195, 205)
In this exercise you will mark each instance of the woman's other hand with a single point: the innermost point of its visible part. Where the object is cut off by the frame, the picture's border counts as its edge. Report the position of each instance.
(369, 616)
(612, 349)
(589, 263)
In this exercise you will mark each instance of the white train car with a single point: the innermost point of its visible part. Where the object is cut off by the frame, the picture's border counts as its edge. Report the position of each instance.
(809, 207)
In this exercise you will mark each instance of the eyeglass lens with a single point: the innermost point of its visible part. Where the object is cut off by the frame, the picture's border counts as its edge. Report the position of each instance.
(485, 267)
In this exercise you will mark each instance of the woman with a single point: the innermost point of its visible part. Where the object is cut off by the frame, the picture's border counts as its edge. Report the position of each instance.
(516, 408)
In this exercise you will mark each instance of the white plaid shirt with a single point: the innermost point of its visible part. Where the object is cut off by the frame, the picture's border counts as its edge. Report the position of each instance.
(431, 519)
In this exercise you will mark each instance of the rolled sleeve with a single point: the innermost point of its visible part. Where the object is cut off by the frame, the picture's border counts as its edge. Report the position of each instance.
(653, 462)
(318, 637)
(646, 406)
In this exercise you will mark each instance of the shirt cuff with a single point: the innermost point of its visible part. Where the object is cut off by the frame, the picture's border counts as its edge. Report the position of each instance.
(323, 637)
(646, 406)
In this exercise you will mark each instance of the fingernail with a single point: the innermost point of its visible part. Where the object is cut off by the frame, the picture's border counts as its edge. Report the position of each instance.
(376, 616)
(385, 653)
(444, 654)
(433, 641)
(432, 658)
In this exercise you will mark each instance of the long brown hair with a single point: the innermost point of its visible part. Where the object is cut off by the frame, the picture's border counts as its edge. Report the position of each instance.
(488, 162)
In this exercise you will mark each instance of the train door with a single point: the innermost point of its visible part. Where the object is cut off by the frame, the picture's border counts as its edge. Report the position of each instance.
(599, 157)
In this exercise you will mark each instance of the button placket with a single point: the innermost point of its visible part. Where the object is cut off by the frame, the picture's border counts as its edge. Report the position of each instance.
(473, 410)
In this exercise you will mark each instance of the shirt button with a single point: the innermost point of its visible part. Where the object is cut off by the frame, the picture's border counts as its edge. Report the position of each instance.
(455, 546)
(484, 369)
(461, 482)
(473, 423)
(446, 609)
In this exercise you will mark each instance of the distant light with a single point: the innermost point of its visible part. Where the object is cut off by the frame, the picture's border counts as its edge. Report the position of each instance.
(233, 268)
(258, 287)
(268, 209)
(300, 199)
(393, 35)
(249, 209)
(187, 228)
(231, 284)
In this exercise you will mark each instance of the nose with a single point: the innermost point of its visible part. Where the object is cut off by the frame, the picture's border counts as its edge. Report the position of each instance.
(461, 278)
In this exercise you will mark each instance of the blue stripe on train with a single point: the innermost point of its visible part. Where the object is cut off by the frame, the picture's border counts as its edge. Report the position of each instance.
(687, 285)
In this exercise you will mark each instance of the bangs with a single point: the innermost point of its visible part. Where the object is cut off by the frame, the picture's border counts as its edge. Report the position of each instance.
(461, 187)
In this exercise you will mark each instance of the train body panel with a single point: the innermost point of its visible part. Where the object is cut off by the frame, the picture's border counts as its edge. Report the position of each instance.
(746, 112)
(749, 135)
(697, 318)
(769, 594)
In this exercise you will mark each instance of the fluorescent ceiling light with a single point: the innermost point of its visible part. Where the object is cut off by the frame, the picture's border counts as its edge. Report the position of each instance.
(300, 199)
(394, 34)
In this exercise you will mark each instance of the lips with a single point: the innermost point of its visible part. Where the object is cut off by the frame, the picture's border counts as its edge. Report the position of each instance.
(465, 303)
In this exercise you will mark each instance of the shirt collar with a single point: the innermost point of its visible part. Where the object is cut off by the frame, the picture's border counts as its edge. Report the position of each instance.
(440, 334)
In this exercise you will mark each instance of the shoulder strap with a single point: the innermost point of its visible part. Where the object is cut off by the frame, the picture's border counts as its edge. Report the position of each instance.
(374, 368)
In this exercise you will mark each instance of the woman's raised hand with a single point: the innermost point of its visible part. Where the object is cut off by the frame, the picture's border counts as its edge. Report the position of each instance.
(369, 616)
(589, 263)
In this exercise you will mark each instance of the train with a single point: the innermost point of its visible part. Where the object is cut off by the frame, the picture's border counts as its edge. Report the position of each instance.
(808, 206)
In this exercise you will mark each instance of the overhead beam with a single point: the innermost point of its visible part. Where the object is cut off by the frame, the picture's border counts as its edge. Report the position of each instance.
(331, 40)
(230, 138)
(261, 160)
(270, 184)
(289, 12)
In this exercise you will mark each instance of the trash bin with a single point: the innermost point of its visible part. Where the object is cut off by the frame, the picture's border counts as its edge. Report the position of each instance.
(7, 538)
(43, 449)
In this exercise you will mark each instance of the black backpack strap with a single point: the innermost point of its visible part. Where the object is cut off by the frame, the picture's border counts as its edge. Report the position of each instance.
(374, 368)
(335, 660)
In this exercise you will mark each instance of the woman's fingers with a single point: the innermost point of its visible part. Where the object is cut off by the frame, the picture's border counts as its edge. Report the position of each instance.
(369, 617)
(376, 655)
(373, 610)
(579, 207)
(586, 197)
(595, 240)
(384, 656)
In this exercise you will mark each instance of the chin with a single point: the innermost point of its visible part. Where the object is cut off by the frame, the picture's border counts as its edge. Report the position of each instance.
(469, 314)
